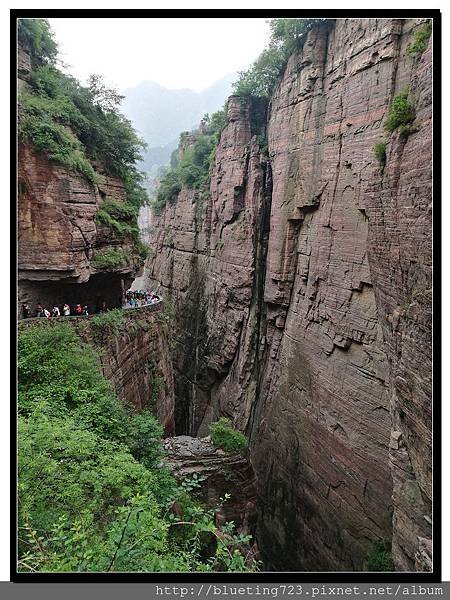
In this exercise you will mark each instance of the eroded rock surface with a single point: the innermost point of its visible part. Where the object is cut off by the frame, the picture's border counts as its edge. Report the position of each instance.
(219, 473)
(58, 236)
(302, 287)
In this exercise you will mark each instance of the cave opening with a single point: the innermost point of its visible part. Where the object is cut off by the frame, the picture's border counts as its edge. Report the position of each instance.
(101, 287)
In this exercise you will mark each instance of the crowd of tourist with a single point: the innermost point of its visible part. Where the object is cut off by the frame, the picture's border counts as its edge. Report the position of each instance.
(137, 298)
(133, 299)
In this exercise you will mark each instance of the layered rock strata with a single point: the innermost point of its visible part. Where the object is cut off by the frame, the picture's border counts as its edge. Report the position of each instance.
(58, 236)
(226, 482)
(302, 286)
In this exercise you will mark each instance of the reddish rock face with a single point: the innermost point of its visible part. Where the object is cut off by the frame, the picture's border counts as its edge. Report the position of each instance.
(138, 363)
(58, 235)
(303, 292)
(204, 257)
(399, 209)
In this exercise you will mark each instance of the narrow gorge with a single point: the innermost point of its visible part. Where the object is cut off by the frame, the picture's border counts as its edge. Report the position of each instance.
(296, 299)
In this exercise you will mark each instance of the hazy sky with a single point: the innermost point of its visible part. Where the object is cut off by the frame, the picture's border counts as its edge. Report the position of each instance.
(176, 53)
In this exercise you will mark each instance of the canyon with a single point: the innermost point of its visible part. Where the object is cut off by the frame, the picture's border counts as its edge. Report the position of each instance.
(303, 292)
(301, 287)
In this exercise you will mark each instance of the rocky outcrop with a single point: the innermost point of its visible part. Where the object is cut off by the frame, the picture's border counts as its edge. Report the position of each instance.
(58, 235)
(302, 286)
(206, 251)
(219, 475)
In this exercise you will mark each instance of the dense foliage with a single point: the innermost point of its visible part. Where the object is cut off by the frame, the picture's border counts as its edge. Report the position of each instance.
(119, 216)
(80, 127)
(36, 36)
(110, 259)
(93, 494)
(191, 170)
(105, 326)
(379, 557)
(420, 40)
(227, 438)
(401, 114)
(286, 36)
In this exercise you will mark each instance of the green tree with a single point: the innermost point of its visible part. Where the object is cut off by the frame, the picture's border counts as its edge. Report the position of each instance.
(260, 79)
(227, 438)
(37, 37)
(107, 99)
(287, 36)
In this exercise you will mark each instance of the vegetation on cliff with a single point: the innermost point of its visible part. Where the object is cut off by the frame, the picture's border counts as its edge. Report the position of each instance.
(93, 493)
(80, 127)
(379, 151)
(420, 40)
(379, 557)
(191, 170)
(286, 37)
(112, 258)
(37, 37)
(227, 438)
(401, 113)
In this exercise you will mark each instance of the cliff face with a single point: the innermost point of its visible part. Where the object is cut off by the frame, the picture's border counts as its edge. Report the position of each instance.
(302, 287)
(205, 258)
(136, 360)
(58, 235)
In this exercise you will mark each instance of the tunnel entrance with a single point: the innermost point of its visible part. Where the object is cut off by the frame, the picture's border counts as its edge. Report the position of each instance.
(102, 287)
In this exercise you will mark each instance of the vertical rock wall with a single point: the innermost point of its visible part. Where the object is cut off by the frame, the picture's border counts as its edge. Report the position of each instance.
(205, 252)
(399, 208)
(58, 235)
(302, 287)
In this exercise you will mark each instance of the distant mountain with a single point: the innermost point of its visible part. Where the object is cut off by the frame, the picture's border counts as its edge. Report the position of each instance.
(160, 114)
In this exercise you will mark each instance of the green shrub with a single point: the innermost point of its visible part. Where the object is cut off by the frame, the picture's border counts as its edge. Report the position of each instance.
(401, 113)
(379, 151)
(106, 325)
(263, 143)
(169, 187)
(143, 250)
(121, 217)
(262, 76)
(58, 143)
(227, 438)
(110, 259)
(145, 436)
(420, 40)
(379, 557)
